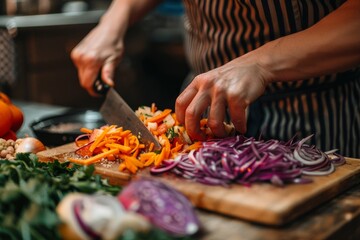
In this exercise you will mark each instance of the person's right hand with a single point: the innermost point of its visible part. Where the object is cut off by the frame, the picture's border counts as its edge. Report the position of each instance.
(231, 87)
(101, 49)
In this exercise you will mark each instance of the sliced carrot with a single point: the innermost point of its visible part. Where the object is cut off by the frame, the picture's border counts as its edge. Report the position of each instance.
(125, 133)
(150, 160)
(177, 148)
(134, 143)
(135, 153)
(145, 156)
(99, 139)
(133, 160)
(131, 167)
(153, 107)
(195, 145)
(155, 133)
(166, 147)
(81, 142)
(86, 130)
(95, 158)
(162, 128)
(122, 167)
(126, 142)
(160, 116)
(203, 122)
(122, 148)
(157, 160)
(111, 157)
(151, 146)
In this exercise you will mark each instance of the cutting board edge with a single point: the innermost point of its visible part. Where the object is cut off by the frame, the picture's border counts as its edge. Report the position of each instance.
(273, 217)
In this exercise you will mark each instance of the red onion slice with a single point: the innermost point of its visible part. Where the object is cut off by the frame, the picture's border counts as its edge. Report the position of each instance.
(165, 207)
(78, 208)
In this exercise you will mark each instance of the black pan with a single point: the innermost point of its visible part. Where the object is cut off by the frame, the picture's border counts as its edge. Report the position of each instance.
(60, 129)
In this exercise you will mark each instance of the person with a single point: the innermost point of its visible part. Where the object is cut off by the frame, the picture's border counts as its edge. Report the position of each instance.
(278, 69)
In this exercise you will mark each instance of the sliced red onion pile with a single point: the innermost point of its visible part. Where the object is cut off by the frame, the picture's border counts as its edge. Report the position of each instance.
(165, 207)
(246, 160)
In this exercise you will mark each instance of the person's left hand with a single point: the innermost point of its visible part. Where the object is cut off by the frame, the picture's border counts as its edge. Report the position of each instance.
(232, 86)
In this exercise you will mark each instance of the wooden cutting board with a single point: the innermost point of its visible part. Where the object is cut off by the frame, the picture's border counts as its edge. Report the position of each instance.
(261, 203)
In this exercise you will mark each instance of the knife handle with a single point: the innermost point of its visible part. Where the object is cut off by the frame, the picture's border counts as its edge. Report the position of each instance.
(99, 86)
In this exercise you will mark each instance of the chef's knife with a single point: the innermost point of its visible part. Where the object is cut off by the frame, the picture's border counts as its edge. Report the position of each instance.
(116, 111)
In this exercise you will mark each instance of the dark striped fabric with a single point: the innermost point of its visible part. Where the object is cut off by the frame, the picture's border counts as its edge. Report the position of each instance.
(327, 106)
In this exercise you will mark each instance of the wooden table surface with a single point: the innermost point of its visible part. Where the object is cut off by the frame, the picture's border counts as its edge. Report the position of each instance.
(338, 218)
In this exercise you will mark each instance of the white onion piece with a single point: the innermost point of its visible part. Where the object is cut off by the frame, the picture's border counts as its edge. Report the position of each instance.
(29, 145)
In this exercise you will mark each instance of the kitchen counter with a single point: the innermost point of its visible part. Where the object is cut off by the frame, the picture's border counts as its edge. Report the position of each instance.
(49, 20)
(338, 218)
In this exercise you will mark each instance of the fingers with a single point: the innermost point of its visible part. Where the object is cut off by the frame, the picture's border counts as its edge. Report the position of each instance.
(217, 115)
(87, 77)
(237, 111)
(207, 91)
(194, 101)
(183, 101)
(190, 105)
(107, 73)
(89, 66)
(193, 114)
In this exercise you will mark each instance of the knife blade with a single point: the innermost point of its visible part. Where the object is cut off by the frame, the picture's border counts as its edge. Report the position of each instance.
(116, 111)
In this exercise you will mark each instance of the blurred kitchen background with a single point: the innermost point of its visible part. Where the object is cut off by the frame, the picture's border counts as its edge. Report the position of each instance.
(37, 36)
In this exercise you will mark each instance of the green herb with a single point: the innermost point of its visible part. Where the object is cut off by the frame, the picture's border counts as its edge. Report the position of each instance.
(157, 151)
(170, 133)
(30, 191)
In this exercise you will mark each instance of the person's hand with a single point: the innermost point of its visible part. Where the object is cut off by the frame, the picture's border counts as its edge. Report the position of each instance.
(101, 49)
(232, 86)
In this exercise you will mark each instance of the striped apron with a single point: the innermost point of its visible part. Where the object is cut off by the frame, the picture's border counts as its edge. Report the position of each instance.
(218, 31)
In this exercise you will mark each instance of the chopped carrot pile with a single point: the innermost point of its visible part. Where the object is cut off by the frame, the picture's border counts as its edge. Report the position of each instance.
(114, 143)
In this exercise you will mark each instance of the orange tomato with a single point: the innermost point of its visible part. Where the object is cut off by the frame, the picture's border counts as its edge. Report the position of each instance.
(18, 117)
(5, 118)
(5, 98)
(10, 135)
(17, 114)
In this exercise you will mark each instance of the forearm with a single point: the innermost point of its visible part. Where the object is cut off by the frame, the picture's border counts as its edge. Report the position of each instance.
(123, 13)
(331, 45)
